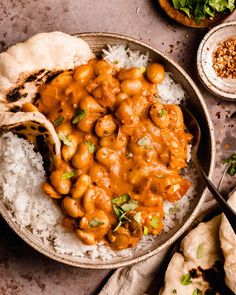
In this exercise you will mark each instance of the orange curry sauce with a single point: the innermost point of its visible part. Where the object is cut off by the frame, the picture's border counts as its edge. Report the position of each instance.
(122, 151)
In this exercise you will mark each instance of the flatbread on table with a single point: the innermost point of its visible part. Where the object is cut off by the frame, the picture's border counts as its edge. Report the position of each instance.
(24, 66)
(228, 245)
(200, 252)
(34, 127)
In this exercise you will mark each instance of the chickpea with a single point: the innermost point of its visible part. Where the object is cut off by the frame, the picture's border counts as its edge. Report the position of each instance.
(155, 73)
(72, 207)
(102, 201)
(153, 200)
(105, 126)
(69, 151)
(86, 237)
(97, 215)
(126, 113)
(108, 98)
(49, 96)
(99, 175)
(63, 80)
(98, 93)
(131, 86)
(29, 107)
(82, 156)
(119, 239)
(89, 104)
(133, 73)
(76, 92)
(88, 122)
(83, 74)
(63, 186)
(114, 141)
(80, 187)
(102, 67)
(140, 104)
(106, 157)
(159, 115)
(50, 191)
(160, 184)
(89, 199)
(65, 127)
(138, 149)
(67, 109)
(121, 97)
(176, 116)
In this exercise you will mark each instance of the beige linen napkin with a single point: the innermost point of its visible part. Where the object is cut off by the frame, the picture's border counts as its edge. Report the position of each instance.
(135, 280)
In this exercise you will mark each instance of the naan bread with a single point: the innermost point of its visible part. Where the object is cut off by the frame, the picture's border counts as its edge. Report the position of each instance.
(205, 237)
(26, 65)
(34, 127)
(228, 245)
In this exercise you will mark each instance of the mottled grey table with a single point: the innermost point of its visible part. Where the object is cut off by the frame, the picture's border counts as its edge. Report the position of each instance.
(23, 271)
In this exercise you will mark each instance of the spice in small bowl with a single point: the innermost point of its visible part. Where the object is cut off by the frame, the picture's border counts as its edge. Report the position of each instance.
(216, 61)
(224, 59)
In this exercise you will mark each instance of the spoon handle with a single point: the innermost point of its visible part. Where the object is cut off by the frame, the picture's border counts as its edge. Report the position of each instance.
(226, 208)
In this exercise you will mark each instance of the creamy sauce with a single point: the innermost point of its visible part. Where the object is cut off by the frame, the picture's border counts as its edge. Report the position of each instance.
(122, 151)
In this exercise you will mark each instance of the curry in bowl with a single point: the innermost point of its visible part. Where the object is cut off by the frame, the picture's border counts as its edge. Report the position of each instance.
(122, 151)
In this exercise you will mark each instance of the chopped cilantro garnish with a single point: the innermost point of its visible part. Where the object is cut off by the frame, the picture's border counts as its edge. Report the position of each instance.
(64, 139)
(68, 174)
(58, 121)
(145, 231)
(154, 222)
(91, 146)
(186, 279)
(162, 113)
(119, 201)
(138, 217)
(95, 222)
(79, 115)
(200, 250)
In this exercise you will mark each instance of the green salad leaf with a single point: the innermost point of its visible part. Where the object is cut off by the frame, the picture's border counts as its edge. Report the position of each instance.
(201, 9)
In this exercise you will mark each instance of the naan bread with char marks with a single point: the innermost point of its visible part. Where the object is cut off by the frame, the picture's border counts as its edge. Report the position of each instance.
(24, 66)
(34, 127)
(228, 245)
(200, 251)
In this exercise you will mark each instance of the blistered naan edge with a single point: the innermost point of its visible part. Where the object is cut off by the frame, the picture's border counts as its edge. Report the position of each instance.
(228, 245)
(49, 51)
(9, 119)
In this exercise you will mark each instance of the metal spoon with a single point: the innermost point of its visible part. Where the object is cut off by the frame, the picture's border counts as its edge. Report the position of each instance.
(194, 129)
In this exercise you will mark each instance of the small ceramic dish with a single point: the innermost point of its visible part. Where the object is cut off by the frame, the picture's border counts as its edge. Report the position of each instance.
(222, 87)
(183, 19)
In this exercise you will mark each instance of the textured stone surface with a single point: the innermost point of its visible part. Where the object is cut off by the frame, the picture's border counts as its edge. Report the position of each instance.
(23, 270)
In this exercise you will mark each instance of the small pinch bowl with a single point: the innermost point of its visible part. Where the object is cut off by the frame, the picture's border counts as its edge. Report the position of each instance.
(183, 19)
(221, 87)
(197, 106)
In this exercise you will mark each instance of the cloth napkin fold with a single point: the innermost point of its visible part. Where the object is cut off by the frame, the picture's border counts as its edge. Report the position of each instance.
(136, 279)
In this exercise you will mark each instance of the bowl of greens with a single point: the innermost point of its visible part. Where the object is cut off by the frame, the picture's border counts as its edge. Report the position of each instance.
(198, 13)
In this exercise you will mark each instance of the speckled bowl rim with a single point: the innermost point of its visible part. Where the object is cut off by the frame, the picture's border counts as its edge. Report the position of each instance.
(200, 70)
(32, 240)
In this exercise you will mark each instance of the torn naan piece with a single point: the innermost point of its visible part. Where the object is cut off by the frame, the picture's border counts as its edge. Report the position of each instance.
(228, 245)
(34, 127)
(25, 66)
(198, 270)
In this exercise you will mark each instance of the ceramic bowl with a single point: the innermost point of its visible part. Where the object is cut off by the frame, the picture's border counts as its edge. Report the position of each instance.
(183, 19)
(223, 88)
(196, 104)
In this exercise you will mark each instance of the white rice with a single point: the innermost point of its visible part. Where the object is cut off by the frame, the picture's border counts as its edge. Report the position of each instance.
(169, 91)
(22, 175)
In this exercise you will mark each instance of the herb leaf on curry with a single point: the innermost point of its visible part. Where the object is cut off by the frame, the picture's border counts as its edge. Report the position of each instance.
(58, 121)
(79, 115)
(64, 139)
(68, 174)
